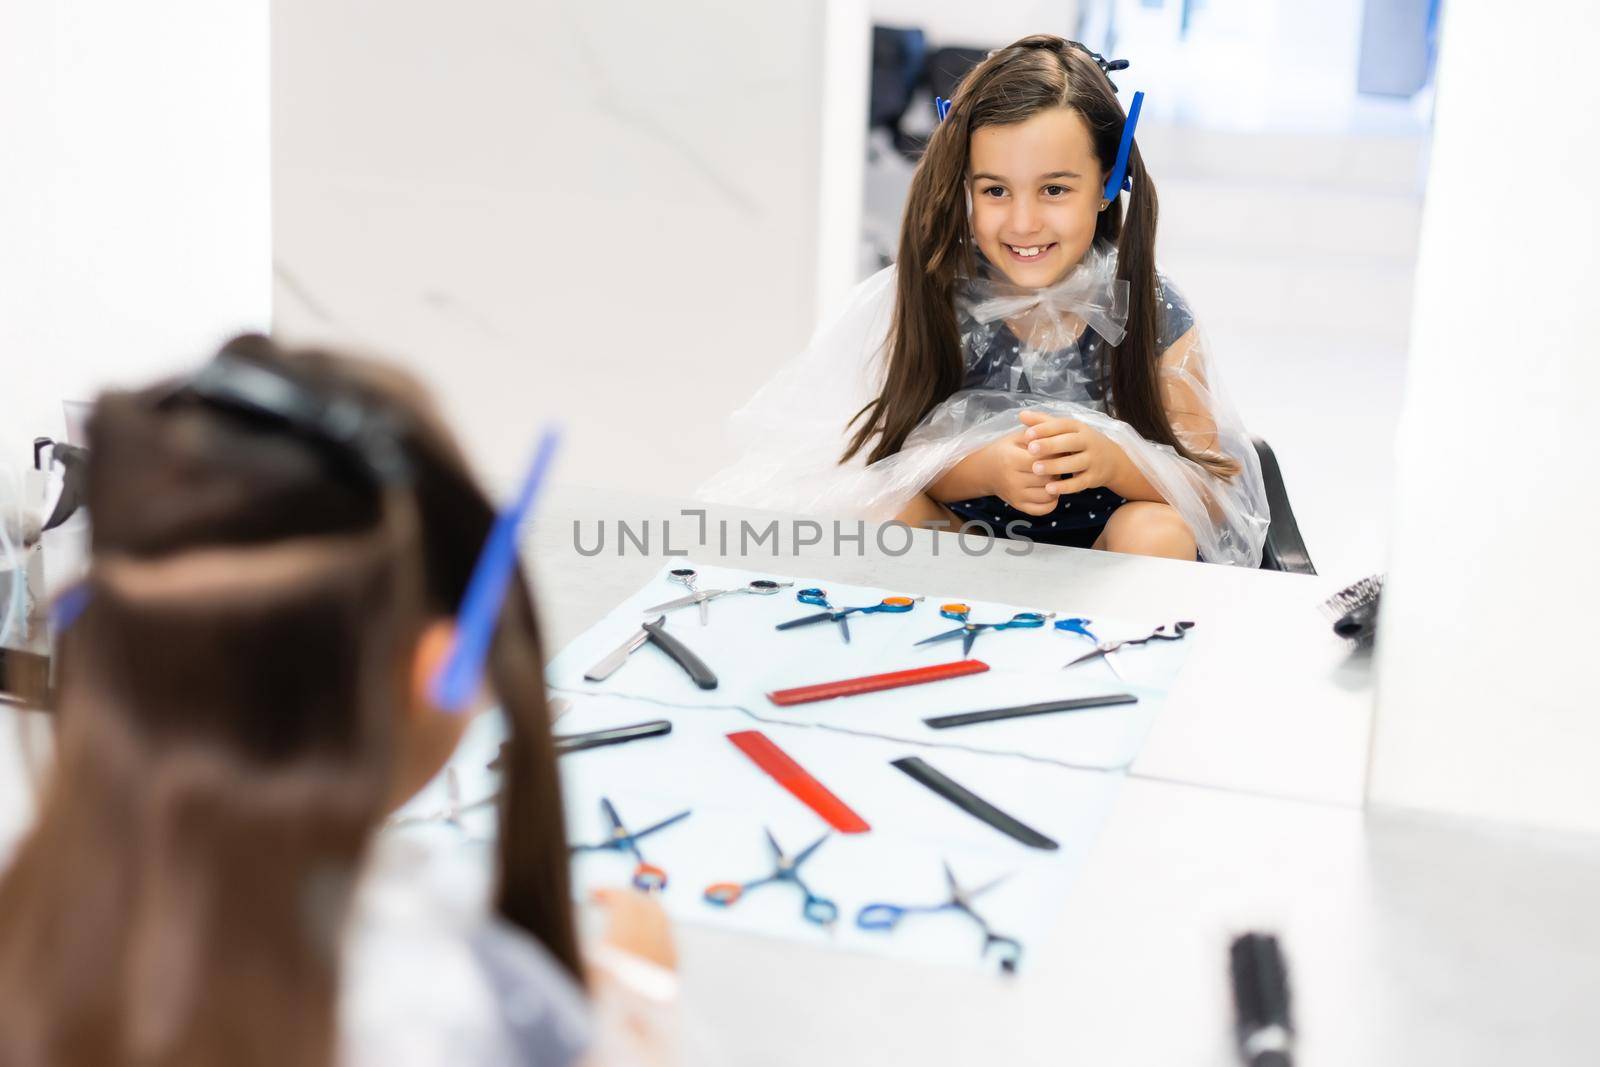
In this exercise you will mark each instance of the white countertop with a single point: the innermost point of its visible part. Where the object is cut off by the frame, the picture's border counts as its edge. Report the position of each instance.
(1269, 700)
(1409, 939)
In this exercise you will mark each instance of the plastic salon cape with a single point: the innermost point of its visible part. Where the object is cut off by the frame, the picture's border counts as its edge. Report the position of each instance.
(1021, 349)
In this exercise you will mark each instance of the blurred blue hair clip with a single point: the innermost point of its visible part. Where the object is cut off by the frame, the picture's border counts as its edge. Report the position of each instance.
(941, 106)
(1119, 181)
(461, 674)
(68, 605)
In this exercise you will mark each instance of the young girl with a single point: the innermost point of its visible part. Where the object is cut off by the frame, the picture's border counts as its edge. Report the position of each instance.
(279, 547)
(1024, 368)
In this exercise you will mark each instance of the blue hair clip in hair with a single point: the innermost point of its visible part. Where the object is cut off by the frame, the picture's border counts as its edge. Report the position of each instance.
(1119, 180)
(941, 106)
(457, 679)
(68, 605)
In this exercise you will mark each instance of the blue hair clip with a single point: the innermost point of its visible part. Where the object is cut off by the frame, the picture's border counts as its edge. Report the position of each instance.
(941, 106)
(68, 606)
(1118, 180)
(457, 679)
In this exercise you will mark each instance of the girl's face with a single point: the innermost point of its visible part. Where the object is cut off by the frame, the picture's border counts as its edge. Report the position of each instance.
(1036, 188)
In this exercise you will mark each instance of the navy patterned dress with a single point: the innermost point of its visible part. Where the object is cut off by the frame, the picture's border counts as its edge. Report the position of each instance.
(993, 350)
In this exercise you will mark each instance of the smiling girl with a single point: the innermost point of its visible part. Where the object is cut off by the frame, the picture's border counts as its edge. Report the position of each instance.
(1024, 369)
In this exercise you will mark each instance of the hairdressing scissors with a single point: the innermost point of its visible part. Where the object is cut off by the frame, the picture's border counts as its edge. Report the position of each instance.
(819, 910)
(646, 876)
(969, 631)
(686, 576)
(819, 597)
(1081, 628)
(888, 916)
(454, 807)
(1105, 648)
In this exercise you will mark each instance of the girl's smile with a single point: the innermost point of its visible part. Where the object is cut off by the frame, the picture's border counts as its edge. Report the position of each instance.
(1033, 253)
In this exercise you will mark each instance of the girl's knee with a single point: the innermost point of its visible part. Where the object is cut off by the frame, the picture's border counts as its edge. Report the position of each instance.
(1147, 528)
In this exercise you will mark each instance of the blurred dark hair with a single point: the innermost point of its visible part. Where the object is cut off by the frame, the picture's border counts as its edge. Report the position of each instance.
(226, 746)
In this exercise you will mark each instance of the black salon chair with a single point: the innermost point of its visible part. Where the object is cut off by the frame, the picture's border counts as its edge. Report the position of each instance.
(1285, 549)
(947, 66)
(901, 66)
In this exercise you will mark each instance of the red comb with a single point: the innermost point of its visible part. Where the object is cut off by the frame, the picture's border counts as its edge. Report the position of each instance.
(872, 683)
(797, 780)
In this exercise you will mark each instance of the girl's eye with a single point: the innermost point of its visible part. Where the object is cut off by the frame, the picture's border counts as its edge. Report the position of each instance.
(1055, 190)
(994, 192)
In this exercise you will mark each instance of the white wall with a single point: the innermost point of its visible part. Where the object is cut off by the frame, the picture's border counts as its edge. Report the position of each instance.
(1488, 702)
(134, 229)
(841, 165)
(958, 23)
(602, 211)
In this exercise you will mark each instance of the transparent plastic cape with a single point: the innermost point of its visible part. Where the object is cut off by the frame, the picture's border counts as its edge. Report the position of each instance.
(1021, 349)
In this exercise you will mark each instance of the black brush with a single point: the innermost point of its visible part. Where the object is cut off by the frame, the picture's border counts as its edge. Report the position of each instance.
(1261, 1001)
(1354, 611)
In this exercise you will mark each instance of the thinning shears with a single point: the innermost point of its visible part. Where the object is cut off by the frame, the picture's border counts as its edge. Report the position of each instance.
(1081, 628)
(1103, 649)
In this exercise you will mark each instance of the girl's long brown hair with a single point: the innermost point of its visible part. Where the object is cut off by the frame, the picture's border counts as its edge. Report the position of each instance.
(227, 734)
(924, 349)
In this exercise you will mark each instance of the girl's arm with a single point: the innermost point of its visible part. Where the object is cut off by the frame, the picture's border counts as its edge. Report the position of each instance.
(966, 480)
(1183, 388)
(1002, 468)
(1182, 381)
(1129, 484)
(1069, 447)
